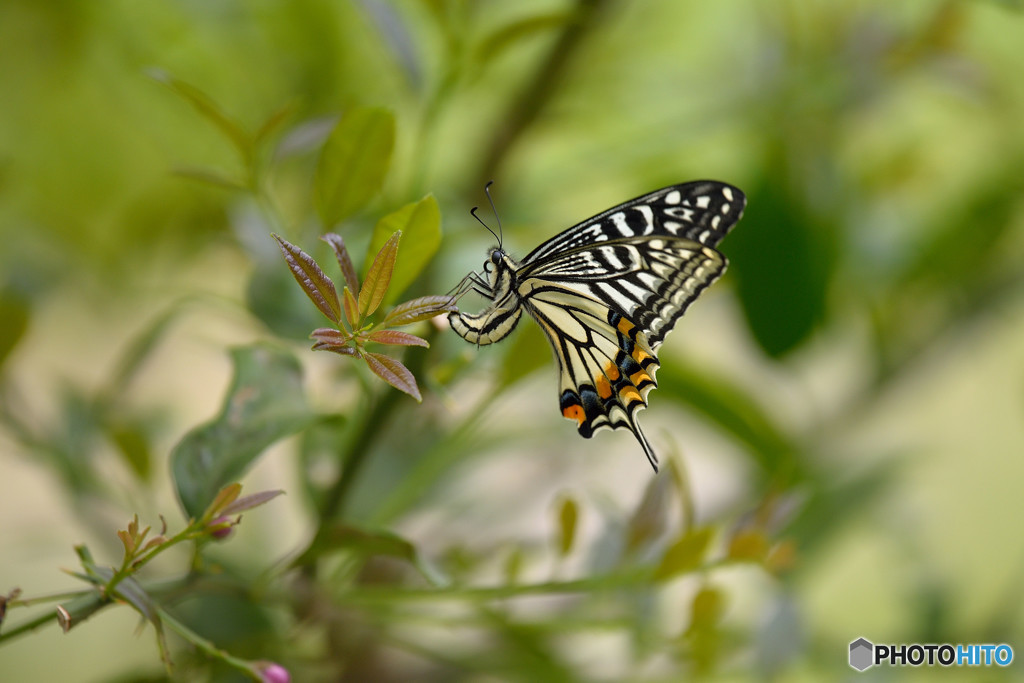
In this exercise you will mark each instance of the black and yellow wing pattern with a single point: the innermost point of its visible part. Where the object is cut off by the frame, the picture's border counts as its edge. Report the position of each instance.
(606, 292)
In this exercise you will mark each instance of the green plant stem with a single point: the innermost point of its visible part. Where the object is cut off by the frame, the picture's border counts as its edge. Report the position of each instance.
(130, 567)
(360, 444)
(538, 93)
(45, 619)
(79, 606)
(634, 577)
(627, 579)
(359, 448)
(208, 647)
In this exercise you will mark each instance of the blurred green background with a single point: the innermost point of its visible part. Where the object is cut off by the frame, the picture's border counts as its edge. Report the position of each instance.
(854, 385)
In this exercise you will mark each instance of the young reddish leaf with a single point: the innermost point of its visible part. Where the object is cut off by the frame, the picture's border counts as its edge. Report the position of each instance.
(379, 276)
(351, 308)
(393, 372)
(415, 310)
(344, 259)
(329, 335)
(318, 287)
(341, 349)
(249, 502)
(396, 338)
(127, 541)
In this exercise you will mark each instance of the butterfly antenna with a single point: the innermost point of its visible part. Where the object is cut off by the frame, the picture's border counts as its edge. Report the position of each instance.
(479, 220)
(487, 191)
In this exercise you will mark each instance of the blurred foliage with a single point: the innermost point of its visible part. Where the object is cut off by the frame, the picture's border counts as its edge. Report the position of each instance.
(881, 149)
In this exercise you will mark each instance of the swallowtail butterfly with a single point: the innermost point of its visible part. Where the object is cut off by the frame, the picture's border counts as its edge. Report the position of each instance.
(606, 292)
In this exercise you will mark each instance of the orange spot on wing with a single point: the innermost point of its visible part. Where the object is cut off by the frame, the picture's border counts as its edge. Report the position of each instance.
(639, 355)
(574, 413)
(630, 394)
(640, 377)
(604, 389)
(625, 326)
(612, 371)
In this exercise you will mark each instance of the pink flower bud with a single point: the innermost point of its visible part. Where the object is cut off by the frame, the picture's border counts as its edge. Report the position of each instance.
(221, 527)
(275, 673)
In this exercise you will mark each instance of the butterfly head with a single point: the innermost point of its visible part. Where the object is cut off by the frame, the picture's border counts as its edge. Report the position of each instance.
(499, 261)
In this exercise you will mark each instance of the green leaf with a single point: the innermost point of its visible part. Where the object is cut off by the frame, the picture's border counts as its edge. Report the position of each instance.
(344, 259)
(314, 282)
(509, 35)
(707, 609)
(130, 589)
(139, 349)
(208, 177)
(264, 404)
(512, 568)
(378, 277)
(415, 310)
(955, 253)
(685, 555)
(748, 545)
(834, 501)
(225, 496)
(14, 317)
(365, 543)
(782, 263)
(353, 163)
(274, 299)
(393, 372)
(734, 411)
(341, 536)
(568, 516)
(208, 109)
(274, 122)
(420, 225)
(133, 445)
(396, 338)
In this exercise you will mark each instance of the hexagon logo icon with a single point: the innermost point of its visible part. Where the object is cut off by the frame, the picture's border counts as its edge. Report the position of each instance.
(861, 654)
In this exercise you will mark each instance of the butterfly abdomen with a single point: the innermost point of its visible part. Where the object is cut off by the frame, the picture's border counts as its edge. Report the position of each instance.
(498, 321)
(491, 326)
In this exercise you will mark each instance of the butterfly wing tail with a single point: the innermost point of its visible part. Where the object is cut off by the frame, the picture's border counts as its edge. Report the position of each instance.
(652, 457)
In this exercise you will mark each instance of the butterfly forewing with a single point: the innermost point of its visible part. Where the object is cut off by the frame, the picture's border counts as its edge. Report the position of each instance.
(702, 211)
(607, 291)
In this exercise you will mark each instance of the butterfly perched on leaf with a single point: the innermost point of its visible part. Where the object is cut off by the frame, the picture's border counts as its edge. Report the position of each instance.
(606, 292)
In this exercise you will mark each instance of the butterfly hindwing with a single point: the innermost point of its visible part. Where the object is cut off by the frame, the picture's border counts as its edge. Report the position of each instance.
(606, 364)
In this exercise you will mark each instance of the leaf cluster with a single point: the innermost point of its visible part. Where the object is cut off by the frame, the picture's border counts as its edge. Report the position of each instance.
(350, 312)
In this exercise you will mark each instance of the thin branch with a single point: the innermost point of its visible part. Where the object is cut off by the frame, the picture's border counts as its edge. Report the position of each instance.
(539, 92)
